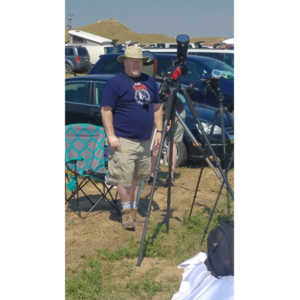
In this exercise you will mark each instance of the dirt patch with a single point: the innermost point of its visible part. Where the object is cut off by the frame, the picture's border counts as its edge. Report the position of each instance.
(101, 229)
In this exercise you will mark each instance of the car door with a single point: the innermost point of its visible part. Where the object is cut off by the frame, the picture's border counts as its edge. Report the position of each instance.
(98, 87)
(78, 101)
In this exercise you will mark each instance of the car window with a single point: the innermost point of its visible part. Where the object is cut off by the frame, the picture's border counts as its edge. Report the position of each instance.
(164, 65)
(213, 64)
(77, 92)
(69, 51)
(226, 57)
(194, 73)
(109, 66)
(82, 51)
(229, 59)
(108, 50)
(99, 87)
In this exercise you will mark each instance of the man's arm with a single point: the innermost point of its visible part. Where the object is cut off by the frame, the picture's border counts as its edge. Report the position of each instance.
(158, 120)
(107, 120)
(158, 116)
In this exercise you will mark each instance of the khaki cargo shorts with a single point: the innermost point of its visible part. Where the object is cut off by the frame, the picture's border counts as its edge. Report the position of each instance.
(130, 161)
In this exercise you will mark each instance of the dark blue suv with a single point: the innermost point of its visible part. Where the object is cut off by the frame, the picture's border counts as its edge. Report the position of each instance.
(199, 67)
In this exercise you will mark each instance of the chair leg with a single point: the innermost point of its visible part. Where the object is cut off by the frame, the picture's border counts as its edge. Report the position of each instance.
(107, 191)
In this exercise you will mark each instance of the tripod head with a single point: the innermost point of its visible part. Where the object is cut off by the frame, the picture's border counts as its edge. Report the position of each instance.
(212, 83)
(180, 67)
(180, 63)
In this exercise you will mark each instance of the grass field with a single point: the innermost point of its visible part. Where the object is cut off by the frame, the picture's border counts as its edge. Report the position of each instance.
(101, 257)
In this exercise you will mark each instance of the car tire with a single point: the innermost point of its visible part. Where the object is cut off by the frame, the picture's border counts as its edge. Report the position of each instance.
(68, 68)
(182, 155)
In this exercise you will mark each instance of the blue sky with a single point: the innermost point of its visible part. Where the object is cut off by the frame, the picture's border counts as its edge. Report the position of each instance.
(170, 17)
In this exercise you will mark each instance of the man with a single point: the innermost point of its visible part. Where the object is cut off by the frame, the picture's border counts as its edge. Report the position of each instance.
(129, 110)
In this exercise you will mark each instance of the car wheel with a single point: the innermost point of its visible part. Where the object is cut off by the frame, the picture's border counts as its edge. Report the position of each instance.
(182, 155)
(68, 68)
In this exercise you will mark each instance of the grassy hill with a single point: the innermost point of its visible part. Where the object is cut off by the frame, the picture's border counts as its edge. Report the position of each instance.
(113, 29)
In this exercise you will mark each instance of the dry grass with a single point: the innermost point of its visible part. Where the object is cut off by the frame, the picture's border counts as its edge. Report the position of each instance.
(101, 230)
(113, 29)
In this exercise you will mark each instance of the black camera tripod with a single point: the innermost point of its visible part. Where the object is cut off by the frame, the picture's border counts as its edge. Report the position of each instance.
(227, 155)
(169, 89)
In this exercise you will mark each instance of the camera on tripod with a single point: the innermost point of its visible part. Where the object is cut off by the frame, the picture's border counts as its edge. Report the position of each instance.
(179, 64)
(183, 41)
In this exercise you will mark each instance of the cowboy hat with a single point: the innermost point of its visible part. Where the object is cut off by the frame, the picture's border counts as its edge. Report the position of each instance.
(133, 52)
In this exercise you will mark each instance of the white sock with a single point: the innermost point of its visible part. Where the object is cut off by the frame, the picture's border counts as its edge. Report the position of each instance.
(133, 204)
(125, 205)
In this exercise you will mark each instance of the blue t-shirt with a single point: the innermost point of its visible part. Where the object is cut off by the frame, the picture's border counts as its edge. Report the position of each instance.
(131, 101)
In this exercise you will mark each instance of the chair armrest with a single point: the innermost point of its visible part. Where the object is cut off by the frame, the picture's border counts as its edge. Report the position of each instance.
(73, 160)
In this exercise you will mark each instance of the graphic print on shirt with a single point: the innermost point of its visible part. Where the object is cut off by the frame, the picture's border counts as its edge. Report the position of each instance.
(141, 94)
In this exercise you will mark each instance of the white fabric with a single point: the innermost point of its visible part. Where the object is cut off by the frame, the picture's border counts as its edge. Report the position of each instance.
(198, 283)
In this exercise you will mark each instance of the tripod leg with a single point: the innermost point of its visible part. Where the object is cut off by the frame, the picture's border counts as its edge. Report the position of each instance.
(196, 191)
(221, 112)
(211, 214)
(200, 127)
(170, 115)
(228, 195)
(142, 244)
(228, 204)
(170, 172)
(139, 192)
(216, 202)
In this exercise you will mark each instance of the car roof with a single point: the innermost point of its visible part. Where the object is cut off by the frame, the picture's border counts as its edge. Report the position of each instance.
(73, 45)
(92, 77)
(173, 55)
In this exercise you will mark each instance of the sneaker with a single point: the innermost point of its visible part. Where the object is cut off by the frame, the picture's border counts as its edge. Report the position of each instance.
(127, 220)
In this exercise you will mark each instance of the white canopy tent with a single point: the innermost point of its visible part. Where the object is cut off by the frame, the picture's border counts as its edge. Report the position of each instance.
(87, 37)
(228, 41)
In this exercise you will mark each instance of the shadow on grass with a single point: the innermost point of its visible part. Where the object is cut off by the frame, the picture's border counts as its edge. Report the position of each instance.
(84, 204)
(166, 220)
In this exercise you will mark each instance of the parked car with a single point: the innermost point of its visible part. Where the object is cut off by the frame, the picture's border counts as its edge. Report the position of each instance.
(198, 68)
(84, 98)
(225, 55)
(77, 59)
(95, 51)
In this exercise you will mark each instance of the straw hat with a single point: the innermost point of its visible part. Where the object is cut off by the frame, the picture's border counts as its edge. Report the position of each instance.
(132, 52)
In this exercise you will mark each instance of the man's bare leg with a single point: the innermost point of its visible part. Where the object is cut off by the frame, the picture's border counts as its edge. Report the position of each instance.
(153, 160)
(134, 191)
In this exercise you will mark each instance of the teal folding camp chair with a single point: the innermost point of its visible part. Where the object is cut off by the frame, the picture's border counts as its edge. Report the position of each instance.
(86, 163)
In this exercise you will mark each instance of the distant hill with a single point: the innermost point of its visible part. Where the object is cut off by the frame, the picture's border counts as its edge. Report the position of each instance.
(114, 30)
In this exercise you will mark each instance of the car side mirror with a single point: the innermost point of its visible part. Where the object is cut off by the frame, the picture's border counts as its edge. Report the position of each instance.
(150, 58)
(216, 74)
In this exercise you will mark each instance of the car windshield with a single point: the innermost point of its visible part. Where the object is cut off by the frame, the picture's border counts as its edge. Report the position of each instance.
(109, 50)
(200, 70)
(107, 65)
(226, 70)
(82, 51)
